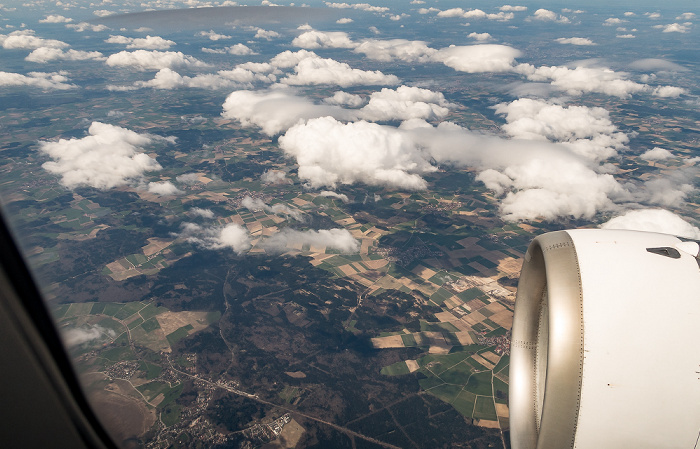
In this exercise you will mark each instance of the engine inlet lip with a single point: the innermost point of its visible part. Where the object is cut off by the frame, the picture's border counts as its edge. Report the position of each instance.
(550, 279)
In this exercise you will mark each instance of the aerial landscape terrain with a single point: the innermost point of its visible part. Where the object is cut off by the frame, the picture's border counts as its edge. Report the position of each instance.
(302, 226)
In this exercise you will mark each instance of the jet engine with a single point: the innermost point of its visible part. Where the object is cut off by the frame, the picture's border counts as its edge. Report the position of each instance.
(605, 349)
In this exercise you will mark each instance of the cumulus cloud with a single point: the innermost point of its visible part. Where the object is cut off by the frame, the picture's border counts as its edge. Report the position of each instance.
(587, 131)
(330, 194)
(311, 71)
(188, 178)
(674, 28)
(478, 58)
(335, 239)
(319, 39)
(257, 204)
(55, 18)
(164, 188)
(476, 14)
(147, 43)
(109, 156)
(152, 60)
(360, 6)
(513, 8)
(204, 213)
(25, 39)
(41, 80)
(168, 79)
(266, 34)
(238, 49)
(46, 54)
(575, 41)
(274, 177)
(85, 334)
(233, 236)
(85, 26)
(329, 152)
(481, 37)
(583, 79)
(654, 220)
(546, 15)
(669, 91)
(345, 99)
(213, 35)
(275, 111)
(656, 154)
(344, 20)
(391, 49)
(404, 103)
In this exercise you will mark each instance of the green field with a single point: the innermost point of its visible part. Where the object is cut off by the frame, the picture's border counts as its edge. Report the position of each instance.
(397, 369)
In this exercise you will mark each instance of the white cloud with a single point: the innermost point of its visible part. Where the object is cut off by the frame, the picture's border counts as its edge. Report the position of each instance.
(668, 91)
(475, 14)
(481, 37)
(188, 178)
(625, 36)
(55, 18)
(168, 79)
(546, 15)
(274, 177)
(317, 70)
(613, 21)
(46, 54)
(329, 152)
(323, 39)
(657, 65)
(583, 79)
(108, 157)
(204, 213)
(654, 220)
(674, 28)
(360, 6)
(164, 188)
(85, 26)
(103, 13)
(265, 34)
(147, 43)
(652, 15)
(85, 334)
(330, 194)
(513, 8)
(686, 16)
(575, 41)
(586, 131)
(391, 49)
(291, 239)
(275, 111)
(233, 236)
(404, 103)
(213, 35)
(256, 204)
(41, 80)
(25, 39)
(656, 154)
(427, 10)
(238, 49)
(152, 60)
(345, 99)
(478, 58)
(344, 20)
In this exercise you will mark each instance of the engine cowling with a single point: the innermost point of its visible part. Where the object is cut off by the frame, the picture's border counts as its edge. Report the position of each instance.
(605, 348)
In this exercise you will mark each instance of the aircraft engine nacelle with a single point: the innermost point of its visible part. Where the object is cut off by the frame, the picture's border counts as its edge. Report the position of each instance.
(605, 348)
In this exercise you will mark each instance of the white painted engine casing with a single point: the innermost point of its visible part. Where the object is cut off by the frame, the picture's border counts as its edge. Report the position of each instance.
(606, 343)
